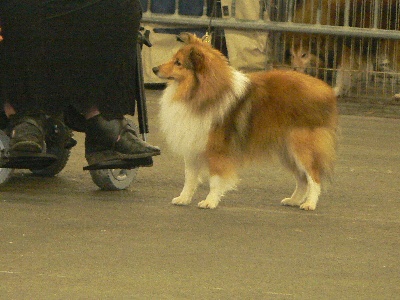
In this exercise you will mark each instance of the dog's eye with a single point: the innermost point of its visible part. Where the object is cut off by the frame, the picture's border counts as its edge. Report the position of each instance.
(304, 55)
(177, 63)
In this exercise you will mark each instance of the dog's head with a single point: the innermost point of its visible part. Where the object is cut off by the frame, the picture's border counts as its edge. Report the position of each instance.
(193, 59)
(301, 59)
(202, 73)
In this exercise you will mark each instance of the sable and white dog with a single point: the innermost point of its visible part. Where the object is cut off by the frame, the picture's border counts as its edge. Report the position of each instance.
(219, 119)
(351, 61)
(349, 67)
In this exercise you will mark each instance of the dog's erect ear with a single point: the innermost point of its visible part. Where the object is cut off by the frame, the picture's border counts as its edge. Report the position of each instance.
(187, 38)
(197, 59)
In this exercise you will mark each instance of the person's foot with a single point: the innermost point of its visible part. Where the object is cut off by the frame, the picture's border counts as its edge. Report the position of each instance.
(114, 139)
(26, 134)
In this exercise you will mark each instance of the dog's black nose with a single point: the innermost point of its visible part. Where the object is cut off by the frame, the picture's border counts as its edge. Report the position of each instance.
(155, 70)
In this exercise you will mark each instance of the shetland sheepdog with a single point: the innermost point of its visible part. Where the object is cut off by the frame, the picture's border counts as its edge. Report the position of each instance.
(303, 59)
(220, 119)
(349, 67)
(352, 55)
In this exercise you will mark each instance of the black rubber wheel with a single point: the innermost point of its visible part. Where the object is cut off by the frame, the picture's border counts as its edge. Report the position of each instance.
(55, 168)
(5, 173)
(113, 179)
(58, 137)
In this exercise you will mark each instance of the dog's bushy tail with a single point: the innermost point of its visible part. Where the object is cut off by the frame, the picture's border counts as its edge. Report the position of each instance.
(325, 149)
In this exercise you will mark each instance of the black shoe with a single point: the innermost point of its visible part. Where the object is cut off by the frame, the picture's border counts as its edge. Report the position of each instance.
(26, 134)
(114, 139)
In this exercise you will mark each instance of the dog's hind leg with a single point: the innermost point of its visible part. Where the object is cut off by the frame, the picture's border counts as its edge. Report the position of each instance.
(319, 164)
(309, 154)
(300, 193)
(308, 186)
(314, 190)
(192, 173)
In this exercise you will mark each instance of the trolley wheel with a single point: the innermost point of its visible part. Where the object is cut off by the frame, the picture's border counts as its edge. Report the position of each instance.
(5, 173)
(113, 179)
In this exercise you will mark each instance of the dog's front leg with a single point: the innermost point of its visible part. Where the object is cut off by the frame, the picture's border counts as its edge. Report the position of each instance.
(192, 171)
(218, 187)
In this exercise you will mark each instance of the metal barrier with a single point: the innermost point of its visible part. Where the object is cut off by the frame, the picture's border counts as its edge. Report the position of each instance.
(352, 44)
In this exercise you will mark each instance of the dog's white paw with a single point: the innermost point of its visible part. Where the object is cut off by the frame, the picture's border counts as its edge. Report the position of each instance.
(180, 201)
(308, 206)
(207, 204)
(289, 202)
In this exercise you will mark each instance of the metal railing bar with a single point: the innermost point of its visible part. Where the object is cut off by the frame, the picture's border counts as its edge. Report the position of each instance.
(272, 26)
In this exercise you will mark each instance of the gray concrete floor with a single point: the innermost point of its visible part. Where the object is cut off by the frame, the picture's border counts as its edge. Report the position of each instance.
(62, 238)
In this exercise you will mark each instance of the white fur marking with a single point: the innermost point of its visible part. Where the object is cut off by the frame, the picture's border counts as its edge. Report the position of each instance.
(218, 187)
(314, 190)
(299, 195)
(307, 192)
(187, 132)
(184, 131)
(240, 83)
(192, 180)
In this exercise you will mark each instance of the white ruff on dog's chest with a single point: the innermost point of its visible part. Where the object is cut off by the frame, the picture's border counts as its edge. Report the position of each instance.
(187, 132)
(184, 131)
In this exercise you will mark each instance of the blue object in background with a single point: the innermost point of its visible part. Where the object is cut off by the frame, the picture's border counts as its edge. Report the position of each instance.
(191, 7)
(144, 5)
(185, 7)
(162, 6)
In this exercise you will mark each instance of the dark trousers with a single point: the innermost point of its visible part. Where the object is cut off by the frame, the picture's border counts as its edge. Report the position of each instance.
(59, 53)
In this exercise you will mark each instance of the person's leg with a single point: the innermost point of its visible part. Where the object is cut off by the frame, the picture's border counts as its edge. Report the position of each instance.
(113, 139)
(9, 110)
(106, 138)
(92, 112)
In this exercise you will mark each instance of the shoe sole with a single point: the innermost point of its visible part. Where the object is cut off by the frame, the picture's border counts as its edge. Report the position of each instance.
(26, 147)
(104, 156)
(122, 164)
